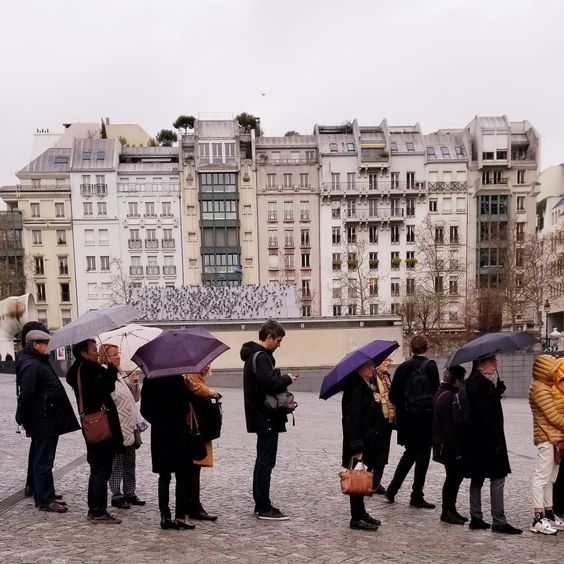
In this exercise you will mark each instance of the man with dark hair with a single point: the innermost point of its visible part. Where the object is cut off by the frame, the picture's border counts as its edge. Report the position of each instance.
(414, 427)
(259, 379)
(45, 412)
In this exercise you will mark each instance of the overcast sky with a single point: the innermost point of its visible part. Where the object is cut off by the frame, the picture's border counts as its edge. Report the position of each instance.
(439, 62)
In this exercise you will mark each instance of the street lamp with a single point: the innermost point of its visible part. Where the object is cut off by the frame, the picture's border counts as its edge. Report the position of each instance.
(546, 310)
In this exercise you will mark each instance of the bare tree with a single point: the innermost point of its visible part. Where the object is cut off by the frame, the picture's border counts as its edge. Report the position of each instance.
(121, 286)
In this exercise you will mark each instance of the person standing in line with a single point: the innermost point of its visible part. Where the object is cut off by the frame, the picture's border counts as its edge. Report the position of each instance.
(414, 430)
(97, 385)
(547, 405)
(123, 467)
(260, 378)
(45, 412)
(447, 448)
(380, 384)
(484, 447)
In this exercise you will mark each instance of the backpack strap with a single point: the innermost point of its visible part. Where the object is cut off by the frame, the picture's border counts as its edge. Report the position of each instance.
(254, 361)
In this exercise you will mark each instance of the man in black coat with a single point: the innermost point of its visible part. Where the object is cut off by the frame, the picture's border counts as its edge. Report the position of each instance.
(45, 412)
(414, 431)
(260, 378)
(484, 447)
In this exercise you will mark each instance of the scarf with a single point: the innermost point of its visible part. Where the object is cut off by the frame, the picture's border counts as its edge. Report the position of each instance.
(491, 377)
(380, 384)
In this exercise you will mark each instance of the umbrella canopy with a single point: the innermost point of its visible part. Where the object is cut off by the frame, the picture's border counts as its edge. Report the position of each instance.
(376, 351)
(92, 323)
(490, 344)
(178, 351)
(129, 338)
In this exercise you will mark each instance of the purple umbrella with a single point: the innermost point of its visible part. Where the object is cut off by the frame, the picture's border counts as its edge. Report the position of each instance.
(376, 351)
(178, 351)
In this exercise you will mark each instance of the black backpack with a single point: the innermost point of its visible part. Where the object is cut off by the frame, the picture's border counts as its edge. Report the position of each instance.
(460, 408)
(418, 393)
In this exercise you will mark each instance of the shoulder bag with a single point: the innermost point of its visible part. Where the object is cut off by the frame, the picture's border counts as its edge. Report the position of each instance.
(95, 426)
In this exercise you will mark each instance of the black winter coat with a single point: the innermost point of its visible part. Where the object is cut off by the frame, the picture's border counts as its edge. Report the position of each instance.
(266, 380)
(414, 430)
(44, 408)
(484, 447)
(165, 404)
(362, 421)
(97, 384)
(446, 439)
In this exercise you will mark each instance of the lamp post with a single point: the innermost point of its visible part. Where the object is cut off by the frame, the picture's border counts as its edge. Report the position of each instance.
(546, 310)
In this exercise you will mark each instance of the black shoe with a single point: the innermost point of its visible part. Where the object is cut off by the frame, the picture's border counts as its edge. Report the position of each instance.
(120, 503)
(379, 490)
(363, 525)
(168, 523)
(272, 514)
(369, 519)
(134, 500)
(183, 524)
(202, 515)
(390, 496)
(455, 512)
(57, 497)
(450, 517)
(477, 524)
(506, 529)
(28, 491)
(53, 507)
(421, 504)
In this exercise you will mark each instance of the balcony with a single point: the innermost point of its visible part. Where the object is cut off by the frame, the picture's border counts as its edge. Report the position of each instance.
(447, 186)
(101, 189)
(289, 243)
(152, 270)
(305, 243)
(151, 244)
(272, 216)
(288, 216)
(367, 188)
(134, 244)
(86, 189)
(273, 243)
(168, 244)
(499, 181)
(169, 270)
(136, 271)
(304, 216)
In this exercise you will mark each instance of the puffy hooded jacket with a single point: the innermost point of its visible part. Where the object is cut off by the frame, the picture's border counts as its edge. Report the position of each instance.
(547, 400)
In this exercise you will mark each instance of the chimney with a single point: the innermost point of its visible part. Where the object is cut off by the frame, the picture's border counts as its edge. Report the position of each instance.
(107, 121)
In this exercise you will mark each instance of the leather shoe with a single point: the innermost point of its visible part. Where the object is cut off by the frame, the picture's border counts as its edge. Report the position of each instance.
(369, 519)
(53, 507)
(421, 504)
(120, 503)
(477, 524)
(202, 516)
(390, 497)
(450, 517)
(379, 490)
(506, 529)
(134, 500)
(363, 525)
(28, 491)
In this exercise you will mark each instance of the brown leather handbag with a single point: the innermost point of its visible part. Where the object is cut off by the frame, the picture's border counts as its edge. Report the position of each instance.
(558, 452)
(95, 426)
(356, 482)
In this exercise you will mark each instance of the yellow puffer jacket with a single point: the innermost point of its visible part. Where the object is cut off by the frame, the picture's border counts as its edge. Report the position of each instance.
(546, 399)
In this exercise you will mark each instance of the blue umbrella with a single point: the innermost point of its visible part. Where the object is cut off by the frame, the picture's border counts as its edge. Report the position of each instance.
(178, 351)
(376, 351)
(491, 344)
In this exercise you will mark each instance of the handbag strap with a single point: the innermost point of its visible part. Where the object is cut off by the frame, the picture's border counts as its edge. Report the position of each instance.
(80, 404)
(193, 421)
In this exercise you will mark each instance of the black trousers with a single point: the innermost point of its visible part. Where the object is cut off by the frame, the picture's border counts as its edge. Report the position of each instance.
(453, 479)
(100, 458)
(44, 450)
(181, 494)
(418, 453)
(29, 477)
(358, 510)
(558, 501)
(194, 505)
(267, 447)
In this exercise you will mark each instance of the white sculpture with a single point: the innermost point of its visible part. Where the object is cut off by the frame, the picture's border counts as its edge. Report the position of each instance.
(15, 311)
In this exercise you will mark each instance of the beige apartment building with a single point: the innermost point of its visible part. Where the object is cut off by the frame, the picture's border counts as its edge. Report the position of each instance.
(287, 184)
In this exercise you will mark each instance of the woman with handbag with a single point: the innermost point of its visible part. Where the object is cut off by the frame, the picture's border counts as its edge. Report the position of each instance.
(196, 384)
(123, 468)
(361, 426)
(165, 404)
(93, 385)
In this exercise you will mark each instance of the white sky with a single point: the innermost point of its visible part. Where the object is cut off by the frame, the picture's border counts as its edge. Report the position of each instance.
(439, 62)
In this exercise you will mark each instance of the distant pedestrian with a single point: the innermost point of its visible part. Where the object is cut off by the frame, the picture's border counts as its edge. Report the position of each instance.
(484, 447)
(547, 404)
(259, 379)
(45, 413)
(447, 447)
(414, 419)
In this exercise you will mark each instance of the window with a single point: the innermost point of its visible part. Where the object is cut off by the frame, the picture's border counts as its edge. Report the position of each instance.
(271, 180)
(132, 209)
(310, 156)
(87, 208)
(105, 263)
(335, 209)
(273, 262)
(410, 207)
(431, 153)
(59, 209)
(295, 156)
(288, 238)
(36, 237)
(395, 180)
(337, 292)
(352, 261)
(460, 205)
(410, 287)
(90, 263)
(102, 208)
(217, 152)
(395, 260)
(410, 180)
(336, 310)
(373, 234)
(453, 287)
(272, 211)
(36, 183)
(150, 209)
(86, 155)
(373, 286)
(521, 176)
(447, 205)
(304, 179)
(439, 285)
(305, 260)
(335, 181)
(410, 235)
(373, 309)
(40, 292)
(487, 156)
(65, 291)
(453, 233)
(305, 242)
(39, 266)
(439, 235)
(100, 155)
(372, 207)
(248, 236)
(445, 153)
(89, 237)
(351, 177)
(520, 231)
(352, 309)
(306, 289)
(351, 147)
(34, 210)
(204, 151)
(61, 237)
(273, 237)
(336, 235)
(289, 262)
(351, 234)
(520, 203)
(336, 262)
(63, 266)
(333, 147)
(433, 205)
(395, 288)
(395, 234)
(230, 150)
(459, 150)
(373, 260)
(373, 181)
(306, 311)
(103, 237)
(288, 211)
(287, 178)
(66, 317)
(166, 208)
(501, 155)
(410, 147)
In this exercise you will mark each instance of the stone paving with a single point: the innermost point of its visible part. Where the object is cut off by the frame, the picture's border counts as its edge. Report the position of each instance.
(305, 485)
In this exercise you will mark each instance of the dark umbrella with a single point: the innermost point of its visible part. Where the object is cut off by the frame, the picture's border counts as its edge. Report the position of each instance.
(178, 351)
(491, 344)
(376, 351)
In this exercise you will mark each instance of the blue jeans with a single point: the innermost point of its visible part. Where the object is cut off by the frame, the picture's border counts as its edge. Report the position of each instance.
(267, 445)
(44, 450)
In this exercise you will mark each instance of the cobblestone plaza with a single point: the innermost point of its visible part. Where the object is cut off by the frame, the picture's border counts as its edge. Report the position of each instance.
(305, 486)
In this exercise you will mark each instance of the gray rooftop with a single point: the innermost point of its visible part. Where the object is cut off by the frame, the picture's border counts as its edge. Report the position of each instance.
(52, 160)
(94, 154)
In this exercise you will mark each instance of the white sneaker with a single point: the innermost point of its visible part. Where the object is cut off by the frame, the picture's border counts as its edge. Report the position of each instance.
(556, 523)
(544, 527)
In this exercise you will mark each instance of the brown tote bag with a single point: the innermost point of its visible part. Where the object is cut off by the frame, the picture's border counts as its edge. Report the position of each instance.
(356, 482)
(95, 426)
